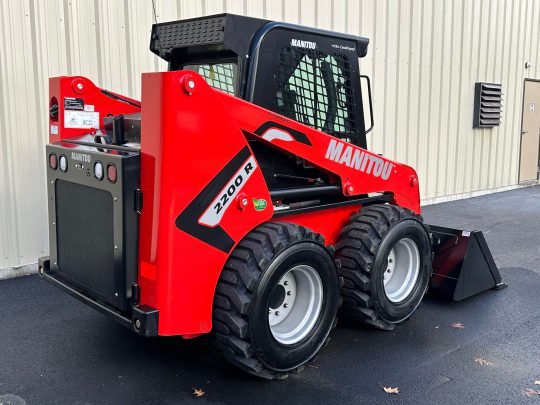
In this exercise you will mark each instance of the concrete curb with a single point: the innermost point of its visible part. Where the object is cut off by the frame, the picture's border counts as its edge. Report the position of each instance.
(12, 272)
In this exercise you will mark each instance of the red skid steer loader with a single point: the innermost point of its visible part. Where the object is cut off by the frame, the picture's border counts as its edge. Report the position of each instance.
(239, 197)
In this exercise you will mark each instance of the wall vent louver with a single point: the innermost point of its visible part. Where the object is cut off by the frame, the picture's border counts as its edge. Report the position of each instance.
(487, 105)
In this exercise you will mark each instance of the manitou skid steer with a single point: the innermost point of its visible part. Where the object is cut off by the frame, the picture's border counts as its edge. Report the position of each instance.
(239, 197)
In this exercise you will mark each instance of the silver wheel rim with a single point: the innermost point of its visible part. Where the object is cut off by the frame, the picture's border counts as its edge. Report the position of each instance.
(403, 267)
(295, 304)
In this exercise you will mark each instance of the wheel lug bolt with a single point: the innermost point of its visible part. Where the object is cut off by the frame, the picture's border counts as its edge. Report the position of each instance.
(289, 292)
(285, 283)
(269, 310)
(277, 313)
(285, 305)
(388, 270)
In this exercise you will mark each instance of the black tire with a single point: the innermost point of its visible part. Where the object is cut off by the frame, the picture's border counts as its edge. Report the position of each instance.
(242, 300)
(362, 253)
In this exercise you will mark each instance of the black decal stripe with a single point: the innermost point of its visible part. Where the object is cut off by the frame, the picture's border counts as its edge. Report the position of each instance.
(297, 135)
(188, 219)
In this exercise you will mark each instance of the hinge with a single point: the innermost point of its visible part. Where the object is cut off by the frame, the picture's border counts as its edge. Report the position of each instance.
(138, 200)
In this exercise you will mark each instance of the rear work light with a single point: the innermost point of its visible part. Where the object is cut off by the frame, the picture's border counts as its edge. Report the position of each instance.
(98, 170)
(111, 173)
(53, 161)
(63, 163)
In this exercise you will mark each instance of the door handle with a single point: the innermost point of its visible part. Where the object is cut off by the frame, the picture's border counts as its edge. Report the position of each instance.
(524, 132)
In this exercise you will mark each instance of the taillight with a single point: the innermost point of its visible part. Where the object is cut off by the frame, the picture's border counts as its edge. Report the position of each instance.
(111, 173)
(53, 161)
(62, 160)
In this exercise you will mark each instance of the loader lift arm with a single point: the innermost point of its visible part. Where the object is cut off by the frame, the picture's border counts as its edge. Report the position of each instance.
(360, 171)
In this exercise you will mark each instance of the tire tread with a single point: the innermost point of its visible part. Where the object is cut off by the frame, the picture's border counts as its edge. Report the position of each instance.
(236, 287)
(359, 242)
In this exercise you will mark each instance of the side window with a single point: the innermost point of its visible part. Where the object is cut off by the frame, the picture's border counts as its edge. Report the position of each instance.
(314, 88)
(221, 76)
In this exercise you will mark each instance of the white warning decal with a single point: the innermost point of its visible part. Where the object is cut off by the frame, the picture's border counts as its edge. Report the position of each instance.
(215, 211)
(81, 119)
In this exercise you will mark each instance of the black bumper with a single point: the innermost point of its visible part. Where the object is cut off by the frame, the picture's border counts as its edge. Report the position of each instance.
(142, 319)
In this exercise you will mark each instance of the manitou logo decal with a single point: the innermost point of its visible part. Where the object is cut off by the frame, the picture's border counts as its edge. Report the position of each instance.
(358, 159)
(274, 133)
(299, 43)
(81, 157)
(213, 214)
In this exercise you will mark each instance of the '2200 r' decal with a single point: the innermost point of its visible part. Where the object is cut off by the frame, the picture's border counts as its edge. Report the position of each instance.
(191, 219)
(217, 208)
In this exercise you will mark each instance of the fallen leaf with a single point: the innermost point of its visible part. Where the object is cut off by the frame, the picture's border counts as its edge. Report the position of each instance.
(531, 393)
(537, 382)
(458, 325)
(483, 362)
(198, 392)
(390, 390)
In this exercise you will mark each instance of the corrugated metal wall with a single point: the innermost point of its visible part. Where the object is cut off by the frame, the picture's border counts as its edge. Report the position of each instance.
(424, 58)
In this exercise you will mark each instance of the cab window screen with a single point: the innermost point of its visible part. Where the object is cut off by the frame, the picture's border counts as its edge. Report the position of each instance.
(221, 76)
(314, 88)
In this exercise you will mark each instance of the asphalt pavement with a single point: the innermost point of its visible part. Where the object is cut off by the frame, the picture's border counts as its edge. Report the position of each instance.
(55, 350)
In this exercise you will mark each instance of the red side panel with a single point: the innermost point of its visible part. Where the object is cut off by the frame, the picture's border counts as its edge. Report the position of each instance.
(199, 179)
(328, 223)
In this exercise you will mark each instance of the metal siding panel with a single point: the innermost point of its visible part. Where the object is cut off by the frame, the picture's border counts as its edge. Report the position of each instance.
(435, 101)
(463, 137)
(22, 137)
(455, 67)
(414, 55)
(506, 69)
(488, 141)
(479, 134)
(291, 11)
(8, 220)
(353, 17)
(237, 7)
(339, 15)
(253, 8)
(445, 125)
(401, 98)
(213, 6)
(308, 12)
(274, 10)
(495, 168)
(390, 78)
(535, 70)
(517, 85)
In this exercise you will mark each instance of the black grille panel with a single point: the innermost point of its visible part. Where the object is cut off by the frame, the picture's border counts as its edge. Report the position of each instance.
(85, 237)
(168, 36)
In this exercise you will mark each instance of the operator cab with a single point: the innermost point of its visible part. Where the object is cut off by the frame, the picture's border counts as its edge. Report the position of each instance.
(305, 74)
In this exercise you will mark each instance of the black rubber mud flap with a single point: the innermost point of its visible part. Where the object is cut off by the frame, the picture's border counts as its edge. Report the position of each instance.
(462, 264)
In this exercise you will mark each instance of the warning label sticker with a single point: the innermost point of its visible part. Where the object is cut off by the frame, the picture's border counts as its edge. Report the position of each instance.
(73, 103)
(81, 119)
